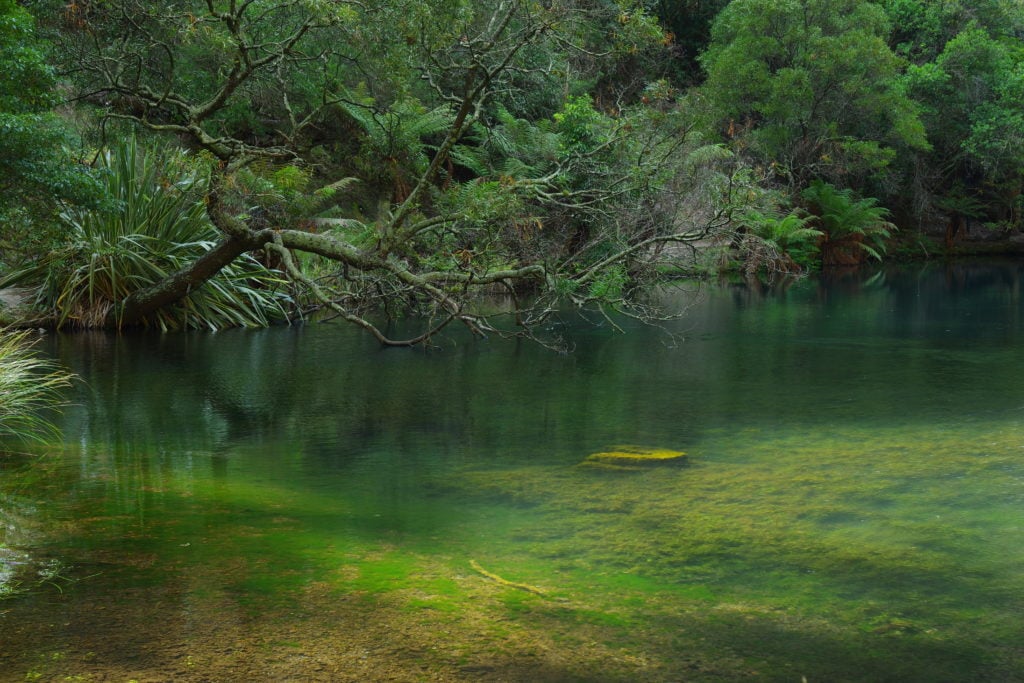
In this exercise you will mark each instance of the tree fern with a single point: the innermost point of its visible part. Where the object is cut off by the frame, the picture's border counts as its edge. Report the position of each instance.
(475, 159)
(706, 155)
(780, 242)
(842, 216)
(399, 136)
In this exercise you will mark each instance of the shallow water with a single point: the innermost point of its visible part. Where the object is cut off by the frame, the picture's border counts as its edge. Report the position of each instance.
(298, 504)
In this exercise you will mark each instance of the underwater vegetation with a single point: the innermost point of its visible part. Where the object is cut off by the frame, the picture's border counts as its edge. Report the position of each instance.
(887, 552)
(837, 554)
(848, 506)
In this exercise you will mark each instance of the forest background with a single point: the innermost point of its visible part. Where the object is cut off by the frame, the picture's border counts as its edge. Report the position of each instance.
(201, 164)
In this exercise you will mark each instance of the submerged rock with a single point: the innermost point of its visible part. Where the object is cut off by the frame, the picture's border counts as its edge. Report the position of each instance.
(634, 458)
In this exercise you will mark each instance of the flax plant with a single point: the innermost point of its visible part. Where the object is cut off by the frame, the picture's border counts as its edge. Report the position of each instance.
(157, 226)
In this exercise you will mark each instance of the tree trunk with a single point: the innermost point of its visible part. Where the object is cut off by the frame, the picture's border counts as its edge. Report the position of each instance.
(143, 302)
(845, 251)
(955, 229)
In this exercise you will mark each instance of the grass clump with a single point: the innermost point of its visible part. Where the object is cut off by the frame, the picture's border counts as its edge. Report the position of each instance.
(29, 385)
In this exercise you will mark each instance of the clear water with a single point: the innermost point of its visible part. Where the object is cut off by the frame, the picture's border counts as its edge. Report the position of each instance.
(299, 504)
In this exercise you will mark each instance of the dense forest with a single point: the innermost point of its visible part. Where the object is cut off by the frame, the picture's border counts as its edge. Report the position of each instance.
(212, 163)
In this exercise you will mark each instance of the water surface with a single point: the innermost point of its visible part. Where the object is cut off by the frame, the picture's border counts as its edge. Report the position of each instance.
(299, 504)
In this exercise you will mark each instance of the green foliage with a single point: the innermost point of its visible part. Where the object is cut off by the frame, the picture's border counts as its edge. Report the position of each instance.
(844, 217)
(610, 284)
(280, 196)
(28, 386)
(35, 166)
(619, 47)
(516, 148)
(921, 28)
(483, 202)
(27, 83)
(160, 226)
(958, 202)
(579, 126)
(575, 154)
(290, 178)
(973, 105)
(397, 141)
(803, 81)
(590, 145)
(566, 287)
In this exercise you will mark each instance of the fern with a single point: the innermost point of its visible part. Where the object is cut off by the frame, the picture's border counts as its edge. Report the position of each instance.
(780, 242)
(519, 139)
(473, 158)
(705, 156)
(400, 133)
(843, 216)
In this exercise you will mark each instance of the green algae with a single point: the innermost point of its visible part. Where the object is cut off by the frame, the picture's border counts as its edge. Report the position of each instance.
(857, 551)
(868, 535)
(383, 575)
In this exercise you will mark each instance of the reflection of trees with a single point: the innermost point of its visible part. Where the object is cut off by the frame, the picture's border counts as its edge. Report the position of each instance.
(14, 526)
(896, 343)
(325, 393)
(169, 393)
(21, 530)
(859, 344)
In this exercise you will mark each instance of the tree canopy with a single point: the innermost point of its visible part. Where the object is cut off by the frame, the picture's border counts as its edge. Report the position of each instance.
(423, 109)
(973, 102)
(35, 167)
(812, 85)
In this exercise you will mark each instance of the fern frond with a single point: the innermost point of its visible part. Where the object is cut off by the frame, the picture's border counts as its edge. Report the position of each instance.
(330, 190)
(472, 158)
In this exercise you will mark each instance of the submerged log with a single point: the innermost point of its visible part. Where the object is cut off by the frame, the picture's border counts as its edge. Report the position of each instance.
(505, 582)
(634, 458)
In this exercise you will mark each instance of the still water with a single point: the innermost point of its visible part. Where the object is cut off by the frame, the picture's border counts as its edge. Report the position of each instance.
(299, 504)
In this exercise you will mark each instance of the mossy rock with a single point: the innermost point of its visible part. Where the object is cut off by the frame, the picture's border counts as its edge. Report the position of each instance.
(634, 458)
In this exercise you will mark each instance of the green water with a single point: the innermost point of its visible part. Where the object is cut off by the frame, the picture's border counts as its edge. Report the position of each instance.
(298, 504)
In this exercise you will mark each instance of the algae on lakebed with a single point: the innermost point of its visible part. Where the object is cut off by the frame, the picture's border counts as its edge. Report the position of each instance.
(888, 550)
(294, 504)
(840, 553)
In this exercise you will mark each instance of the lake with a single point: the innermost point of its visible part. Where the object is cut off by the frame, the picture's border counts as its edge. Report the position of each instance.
(301, 504)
